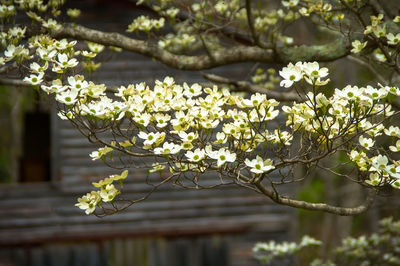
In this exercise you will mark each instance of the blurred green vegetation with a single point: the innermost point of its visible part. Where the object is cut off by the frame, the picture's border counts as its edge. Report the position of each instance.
(13, 103)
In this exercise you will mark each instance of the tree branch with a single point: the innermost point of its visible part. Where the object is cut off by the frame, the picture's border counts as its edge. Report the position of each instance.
(240, 53)
(247, 86)
(343, 211)
(14, 82)
(254, 34)
(361, 62)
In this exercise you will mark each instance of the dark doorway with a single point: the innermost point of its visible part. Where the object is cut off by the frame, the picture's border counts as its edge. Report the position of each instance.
(35, 159)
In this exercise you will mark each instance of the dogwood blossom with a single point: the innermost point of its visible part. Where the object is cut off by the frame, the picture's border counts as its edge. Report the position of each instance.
(151, 137)
(291, 73)
(89, 202)
(222, 156)
(196, 155)
(395, 148)
(34, 79)
(259, 166)
(108, 193)
(68, 97)
(358, 46)
(393, 39)
(168, 148)
(290, 3)
(366, 143)
(64, 62)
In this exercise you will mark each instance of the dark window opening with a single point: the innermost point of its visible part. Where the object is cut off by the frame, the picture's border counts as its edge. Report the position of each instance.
(35, 157)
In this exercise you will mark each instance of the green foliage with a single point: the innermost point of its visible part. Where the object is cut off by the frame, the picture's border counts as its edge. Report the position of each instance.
(381, 248)
(11, 117)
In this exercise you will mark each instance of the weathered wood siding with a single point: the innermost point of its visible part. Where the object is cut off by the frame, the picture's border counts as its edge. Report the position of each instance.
(37, 221)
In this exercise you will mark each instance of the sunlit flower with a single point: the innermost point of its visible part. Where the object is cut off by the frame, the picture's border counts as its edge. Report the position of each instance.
(358, 46)
(196, 155)
(290, 74)
(259, 166)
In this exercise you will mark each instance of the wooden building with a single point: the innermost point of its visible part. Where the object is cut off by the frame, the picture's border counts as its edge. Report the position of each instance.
(39, 224)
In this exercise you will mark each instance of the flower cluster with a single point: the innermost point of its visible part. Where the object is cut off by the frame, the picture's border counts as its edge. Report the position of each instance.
(189, 129)
(380, 248)
(266, 252)
(107, 193)
(144, 23)
(310, 72)
(196, 129)
(378, 30)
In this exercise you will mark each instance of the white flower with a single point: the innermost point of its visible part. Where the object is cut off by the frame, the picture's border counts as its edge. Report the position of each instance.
(221, 7)
(222, 156)
(393, 90)
(150, 138)
(255, 100)
(375, 94)
(88, 202)
(396, 184)
(366, 143)
(349, 92)
(220, 138)
(393, 171)
(63, 61)
(64, 44)
(68, 97)
(10, 52)
(358, 46)
(143, 118)
(379, 55)
(108, 193)
(77, 83)
(259, 166)
(34, 79)
(374, 179)
(95, 47)
(380, 162)
(291, 74)
(168, 148)
(36, 68)
(46, 54)
(88, 54)
(192, 91)
(290, 3)
(392, 131)
(162, 119)
(188, 137)
(393, 39)
(73, 12)
(209, 123)
(172, 12)
(17, 32)
(313, 70)
(100, 152)
(196, 155)
(51, 24)
(395, 148)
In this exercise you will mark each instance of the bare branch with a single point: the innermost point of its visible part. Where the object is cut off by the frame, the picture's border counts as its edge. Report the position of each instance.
(250, 21)
(14, 82)
(343, 211)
